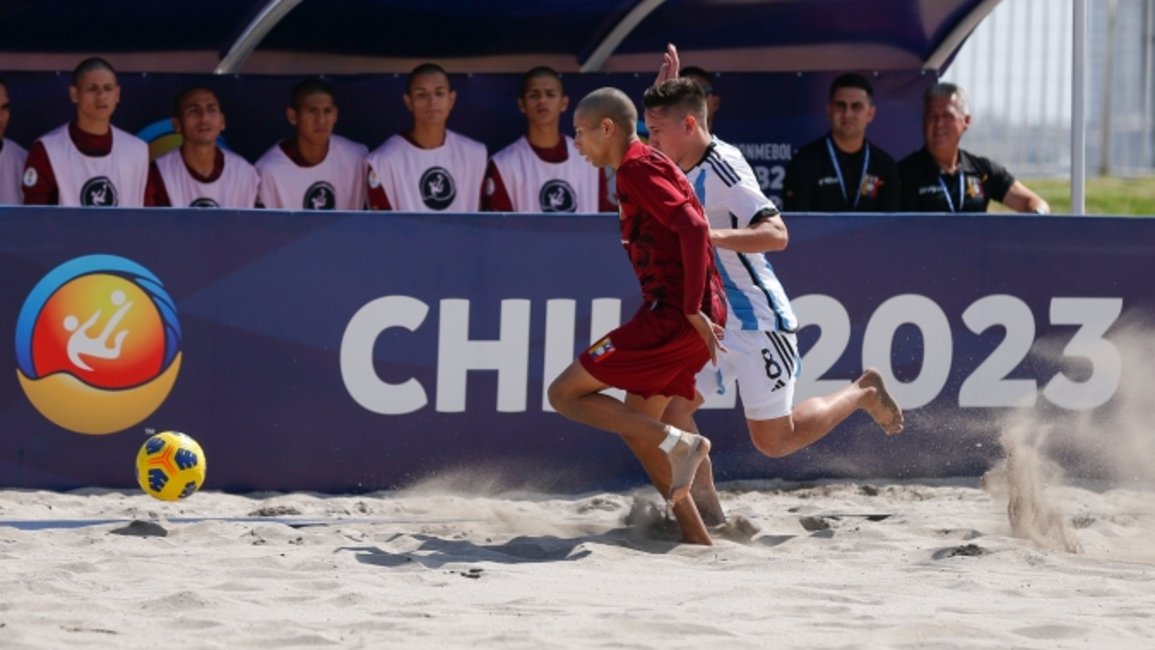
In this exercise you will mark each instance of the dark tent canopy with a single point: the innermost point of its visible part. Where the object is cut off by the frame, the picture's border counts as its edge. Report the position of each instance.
(347, 36)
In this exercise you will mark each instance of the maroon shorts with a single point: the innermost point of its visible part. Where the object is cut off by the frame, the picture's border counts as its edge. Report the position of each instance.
(657, 352)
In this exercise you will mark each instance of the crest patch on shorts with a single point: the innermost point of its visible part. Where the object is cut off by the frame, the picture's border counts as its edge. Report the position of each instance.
(600, 350)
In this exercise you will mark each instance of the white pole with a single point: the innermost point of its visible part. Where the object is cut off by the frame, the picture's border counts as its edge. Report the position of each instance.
(1106, 123)
(1078, 106)
(1148, 42)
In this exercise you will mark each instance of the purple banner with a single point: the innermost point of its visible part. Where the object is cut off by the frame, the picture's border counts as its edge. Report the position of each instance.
(354, 351)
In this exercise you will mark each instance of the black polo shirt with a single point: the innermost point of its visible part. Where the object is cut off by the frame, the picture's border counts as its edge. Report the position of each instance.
(971, 188)
(814, 184)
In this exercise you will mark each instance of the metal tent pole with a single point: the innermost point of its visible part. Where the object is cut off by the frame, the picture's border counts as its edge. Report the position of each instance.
(1078, 109)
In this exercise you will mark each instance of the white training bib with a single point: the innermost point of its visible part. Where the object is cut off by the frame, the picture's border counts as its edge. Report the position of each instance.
(12, 157)
(235, 188)
(117, 179)
(336, 183)
(535, 185)
(447, 178)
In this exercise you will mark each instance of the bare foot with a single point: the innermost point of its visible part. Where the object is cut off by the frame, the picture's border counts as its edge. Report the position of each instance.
(685, 457)
(881, 405)
(705, 495)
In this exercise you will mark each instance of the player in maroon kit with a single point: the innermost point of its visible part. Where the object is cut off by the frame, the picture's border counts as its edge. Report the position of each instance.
(12, 156)
(541, 171)
(199, 174)
(316, 169)
(88, 161)
(429, 168)
(656, 354)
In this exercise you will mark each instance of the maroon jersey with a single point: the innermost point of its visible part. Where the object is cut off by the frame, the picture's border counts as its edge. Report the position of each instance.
(666, 234)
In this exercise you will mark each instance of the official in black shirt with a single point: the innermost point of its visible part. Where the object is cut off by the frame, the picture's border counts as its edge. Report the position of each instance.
(941, 177)
(842, 171)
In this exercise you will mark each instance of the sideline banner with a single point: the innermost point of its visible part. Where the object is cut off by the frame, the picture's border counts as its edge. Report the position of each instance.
(766, 115)
(353, 351)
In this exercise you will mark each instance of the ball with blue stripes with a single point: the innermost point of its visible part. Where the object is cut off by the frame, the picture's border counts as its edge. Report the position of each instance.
(170, 466)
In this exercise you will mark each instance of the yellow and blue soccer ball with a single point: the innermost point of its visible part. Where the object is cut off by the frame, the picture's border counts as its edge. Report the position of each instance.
(170, 466)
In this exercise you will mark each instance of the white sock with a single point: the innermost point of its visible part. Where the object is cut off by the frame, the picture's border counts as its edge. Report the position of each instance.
(673, 436)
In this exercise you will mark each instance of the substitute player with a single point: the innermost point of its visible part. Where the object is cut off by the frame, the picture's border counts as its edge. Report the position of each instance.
(200, 174)
(88, 162)
(842, 171)
(316, 169)
(655, 355)
(762, 349)
(12, 155)
(429, 168)
(541, 171)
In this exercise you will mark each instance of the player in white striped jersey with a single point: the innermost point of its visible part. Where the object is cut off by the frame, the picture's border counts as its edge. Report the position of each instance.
(762, 350)
(12, 156)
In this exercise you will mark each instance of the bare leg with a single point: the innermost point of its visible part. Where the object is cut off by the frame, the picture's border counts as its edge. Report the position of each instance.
(658, 469)
(811, 420)
(575, 394)
(680, 413)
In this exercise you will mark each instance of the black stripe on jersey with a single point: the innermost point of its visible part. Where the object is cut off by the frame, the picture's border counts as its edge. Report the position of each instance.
(722, 169)
(782, 348)
(756, 281)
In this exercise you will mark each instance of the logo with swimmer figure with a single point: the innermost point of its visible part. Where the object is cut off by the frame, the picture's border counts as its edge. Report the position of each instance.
(98, 344)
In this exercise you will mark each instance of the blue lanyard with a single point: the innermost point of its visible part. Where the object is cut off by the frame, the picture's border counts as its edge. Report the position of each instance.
(961, 191)
(842, 181)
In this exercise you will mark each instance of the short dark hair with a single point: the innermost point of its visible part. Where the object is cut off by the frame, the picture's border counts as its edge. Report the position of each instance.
(681, 94)
(535, 73)
(178, 103)
(695, 71)
(852, 80)
(424, 69)
(611, 103)
(88, 65)
(313, 86)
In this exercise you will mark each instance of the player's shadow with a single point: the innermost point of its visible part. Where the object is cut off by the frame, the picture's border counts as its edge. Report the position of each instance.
(434, 552)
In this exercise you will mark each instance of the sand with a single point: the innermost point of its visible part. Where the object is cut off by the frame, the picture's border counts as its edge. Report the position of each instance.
(920, 564)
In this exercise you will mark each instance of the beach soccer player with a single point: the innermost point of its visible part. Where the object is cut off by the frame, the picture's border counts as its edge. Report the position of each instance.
(655, 355)
(762, 349)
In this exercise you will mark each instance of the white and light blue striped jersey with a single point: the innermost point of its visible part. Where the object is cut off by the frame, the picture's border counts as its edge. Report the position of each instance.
(729, 192)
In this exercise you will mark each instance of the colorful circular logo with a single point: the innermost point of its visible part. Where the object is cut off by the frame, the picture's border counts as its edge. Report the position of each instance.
(98, 344)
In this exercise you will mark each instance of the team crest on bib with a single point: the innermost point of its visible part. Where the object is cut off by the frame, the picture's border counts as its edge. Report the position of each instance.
(204, 202)
(99, 192)
(320, 196)
(437, 188)
(557, 196)
(374, 179)
(30, 177)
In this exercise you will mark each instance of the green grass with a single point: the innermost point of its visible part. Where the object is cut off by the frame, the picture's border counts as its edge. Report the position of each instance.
(1104, 195)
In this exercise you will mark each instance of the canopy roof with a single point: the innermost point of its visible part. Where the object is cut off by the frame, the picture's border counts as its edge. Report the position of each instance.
(347, 36)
